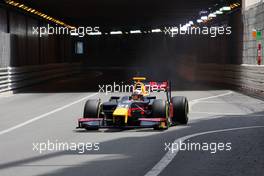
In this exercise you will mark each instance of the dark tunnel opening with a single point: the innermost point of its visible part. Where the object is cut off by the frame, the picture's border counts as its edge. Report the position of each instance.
(157, 56)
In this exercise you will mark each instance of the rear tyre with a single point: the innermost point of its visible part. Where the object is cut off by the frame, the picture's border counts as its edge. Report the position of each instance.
(160, 110)
(180, 110)
(92, 110)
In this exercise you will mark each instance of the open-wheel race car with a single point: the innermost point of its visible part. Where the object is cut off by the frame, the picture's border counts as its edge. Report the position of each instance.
(140, 110)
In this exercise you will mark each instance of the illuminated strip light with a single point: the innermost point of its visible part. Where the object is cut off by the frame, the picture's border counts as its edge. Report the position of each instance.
(35, 12)
(204, 18)
(191, 22)
(226, 8)
(212, 15)
(199, 21)
(234, 5)
(96, 33)
(219, 12)
(135, 32)
(155, 30)
(116, 32)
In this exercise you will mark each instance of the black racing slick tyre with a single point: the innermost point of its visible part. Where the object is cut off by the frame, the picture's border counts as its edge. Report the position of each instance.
(160, 110)
(91, 109)
(180, 110)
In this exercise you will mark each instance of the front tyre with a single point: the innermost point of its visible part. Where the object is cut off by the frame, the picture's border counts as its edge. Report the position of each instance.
(160, 110)
(92, 110)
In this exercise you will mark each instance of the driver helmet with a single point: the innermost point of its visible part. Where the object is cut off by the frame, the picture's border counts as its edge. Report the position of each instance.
(137, 95)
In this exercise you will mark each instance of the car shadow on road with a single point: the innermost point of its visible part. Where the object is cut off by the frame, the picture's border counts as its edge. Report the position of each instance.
(141, 152)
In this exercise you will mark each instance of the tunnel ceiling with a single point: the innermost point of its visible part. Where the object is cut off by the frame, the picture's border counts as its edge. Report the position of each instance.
(116, 14)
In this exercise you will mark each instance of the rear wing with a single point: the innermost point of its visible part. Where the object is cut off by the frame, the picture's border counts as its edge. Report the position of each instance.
(158, 86)
(152, 86)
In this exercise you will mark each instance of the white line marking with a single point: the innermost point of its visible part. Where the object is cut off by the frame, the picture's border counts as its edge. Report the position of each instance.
(6, 94)
(215, 96)
(218, 113)
(231, 102)
(45, 115)
(193, 102)
(168, 157)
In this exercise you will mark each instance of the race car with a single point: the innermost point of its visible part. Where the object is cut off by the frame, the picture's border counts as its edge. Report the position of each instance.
(139, 110)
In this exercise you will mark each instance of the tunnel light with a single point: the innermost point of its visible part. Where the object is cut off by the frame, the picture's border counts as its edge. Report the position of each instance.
(35, 12)
(116, 32)
(156, 30)
(95, 33)
(218, 12)
(225, 8)
(191, 22)
(212, 15)
(204, 18)
(235, 5)
(199, 21)
(135, 32)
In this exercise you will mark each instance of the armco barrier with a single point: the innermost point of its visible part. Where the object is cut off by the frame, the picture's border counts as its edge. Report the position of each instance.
(242, 76)
(17, 77)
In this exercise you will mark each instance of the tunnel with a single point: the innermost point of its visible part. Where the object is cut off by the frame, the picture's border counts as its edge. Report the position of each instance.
(57, 56)
(146, 46)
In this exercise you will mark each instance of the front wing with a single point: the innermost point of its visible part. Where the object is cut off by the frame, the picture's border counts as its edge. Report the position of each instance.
(95, 123)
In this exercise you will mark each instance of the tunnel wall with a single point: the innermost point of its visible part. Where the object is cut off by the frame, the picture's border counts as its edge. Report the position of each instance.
(27, 59)
(253, 18)
(246, 77)
(26, 48)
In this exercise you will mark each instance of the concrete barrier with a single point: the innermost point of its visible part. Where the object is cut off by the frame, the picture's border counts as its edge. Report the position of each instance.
(12, 78)
(241, 76)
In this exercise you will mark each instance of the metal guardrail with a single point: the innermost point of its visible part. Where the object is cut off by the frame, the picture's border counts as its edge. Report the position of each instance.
(12, 78)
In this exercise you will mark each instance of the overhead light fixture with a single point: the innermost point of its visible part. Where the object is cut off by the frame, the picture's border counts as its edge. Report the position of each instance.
(156, 30)
(96, 33)
(199, 21)
(204, 18)
(116, 32)
(35, 12)
(226, 8)
(135, 32)
(218, 12)
(212, 15)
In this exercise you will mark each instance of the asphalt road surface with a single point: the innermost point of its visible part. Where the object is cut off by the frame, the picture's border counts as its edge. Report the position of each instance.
(217, 117)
